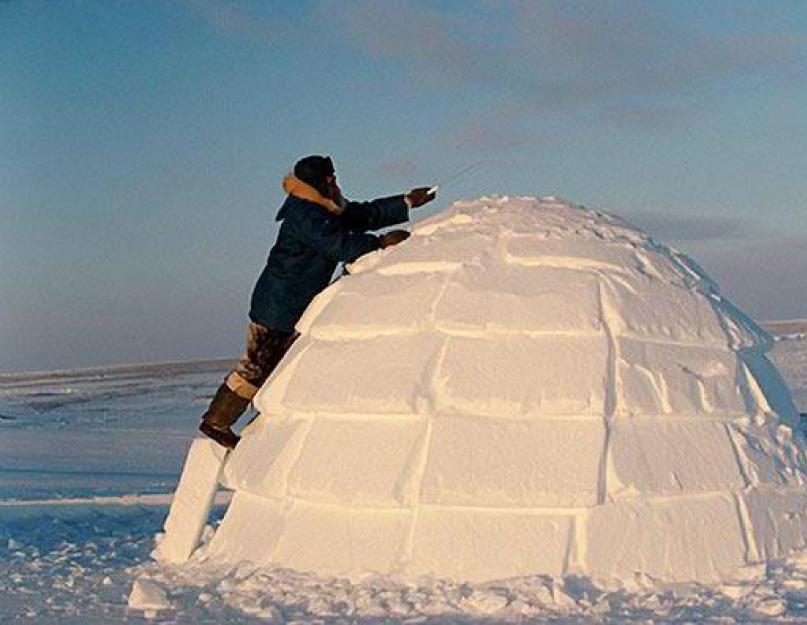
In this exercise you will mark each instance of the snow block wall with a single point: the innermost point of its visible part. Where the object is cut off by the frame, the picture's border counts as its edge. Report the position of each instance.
(522, 387)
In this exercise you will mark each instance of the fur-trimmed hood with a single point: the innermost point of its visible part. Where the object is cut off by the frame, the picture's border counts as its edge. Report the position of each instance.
(304, 191)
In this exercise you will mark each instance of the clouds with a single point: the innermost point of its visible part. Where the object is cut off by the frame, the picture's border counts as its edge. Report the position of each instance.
(646, 116)
(629, 62)
(399, 169)
(235, 20)
(434, 47)
(545, 55)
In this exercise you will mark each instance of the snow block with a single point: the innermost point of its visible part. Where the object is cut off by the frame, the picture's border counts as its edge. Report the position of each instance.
(342, 541)
(249, 531)
(329, 540)
(585, 255)
(547, 463)
(670, 457)
(267, 451)
(193, 498)
(518, 376)
(662, 312)
(269, 399)
(478, 545)
(518, 299)
(451, 223)
(659, 379)
(770, 454)
(425, 254)
(383, 375)
(689, 538)
(315, 308)
(358, 462)
(778, 521)
(377, 308)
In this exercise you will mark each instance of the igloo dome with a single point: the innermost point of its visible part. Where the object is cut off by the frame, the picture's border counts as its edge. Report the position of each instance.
(522, 387)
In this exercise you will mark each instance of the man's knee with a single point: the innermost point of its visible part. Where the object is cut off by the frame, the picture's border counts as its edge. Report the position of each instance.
(240, 386)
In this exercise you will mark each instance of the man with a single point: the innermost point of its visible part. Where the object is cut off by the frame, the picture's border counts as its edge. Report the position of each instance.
(319, 230)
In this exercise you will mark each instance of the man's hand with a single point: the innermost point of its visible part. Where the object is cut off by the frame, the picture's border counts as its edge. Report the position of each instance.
(420, 196)
(392, 238)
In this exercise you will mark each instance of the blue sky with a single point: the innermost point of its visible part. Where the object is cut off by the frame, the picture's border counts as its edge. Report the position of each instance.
(142, 143)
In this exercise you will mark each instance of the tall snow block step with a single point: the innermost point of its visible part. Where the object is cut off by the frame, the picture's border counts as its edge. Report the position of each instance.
(192, 501)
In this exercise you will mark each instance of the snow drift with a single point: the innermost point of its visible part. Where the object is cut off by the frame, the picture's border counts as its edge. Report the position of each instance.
(523, 387)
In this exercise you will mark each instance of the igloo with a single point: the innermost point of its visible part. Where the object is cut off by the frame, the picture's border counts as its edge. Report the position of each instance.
(523, 387)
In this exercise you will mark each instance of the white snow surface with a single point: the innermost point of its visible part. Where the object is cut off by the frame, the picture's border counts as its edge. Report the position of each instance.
(523, 388)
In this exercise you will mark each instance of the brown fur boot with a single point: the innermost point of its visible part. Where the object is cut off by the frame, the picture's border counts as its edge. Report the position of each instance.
(224, 410)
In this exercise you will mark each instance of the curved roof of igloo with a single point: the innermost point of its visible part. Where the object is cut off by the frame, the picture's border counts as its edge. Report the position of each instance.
(596, 309)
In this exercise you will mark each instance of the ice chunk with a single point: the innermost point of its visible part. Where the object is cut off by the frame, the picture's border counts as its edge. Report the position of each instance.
(148, 595)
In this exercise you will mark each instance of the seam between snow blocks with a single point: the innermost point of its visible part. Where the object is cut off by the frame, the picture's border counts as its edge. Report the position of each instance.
(415, 490)
(308, 425)
(739, 456)
(610, 393)
(578, 512)
(752, 553)
(441, 295)
(411, 494)
(570, 554)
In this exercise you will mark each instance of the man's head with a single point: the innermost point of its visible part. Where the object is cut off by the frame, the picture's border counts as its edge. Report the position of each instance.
(318, 171)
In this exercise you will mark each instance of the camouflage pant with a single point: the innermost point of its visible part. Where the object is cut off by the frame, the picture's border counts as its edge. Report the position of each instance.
(265, 349)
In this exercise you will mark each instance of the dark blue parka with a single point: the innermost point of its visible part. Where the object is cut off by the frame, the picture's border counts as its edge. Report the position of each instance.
(311, 243)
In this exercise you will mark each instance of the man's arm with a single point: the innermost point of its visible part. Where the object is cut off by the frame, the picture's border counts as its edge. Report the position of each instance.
(383, 212)
(332, 241)
(377, 214)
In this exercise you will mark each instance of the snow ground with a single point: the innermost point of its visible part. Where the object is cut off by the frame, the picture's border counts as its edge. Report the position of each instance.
(99, 447)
